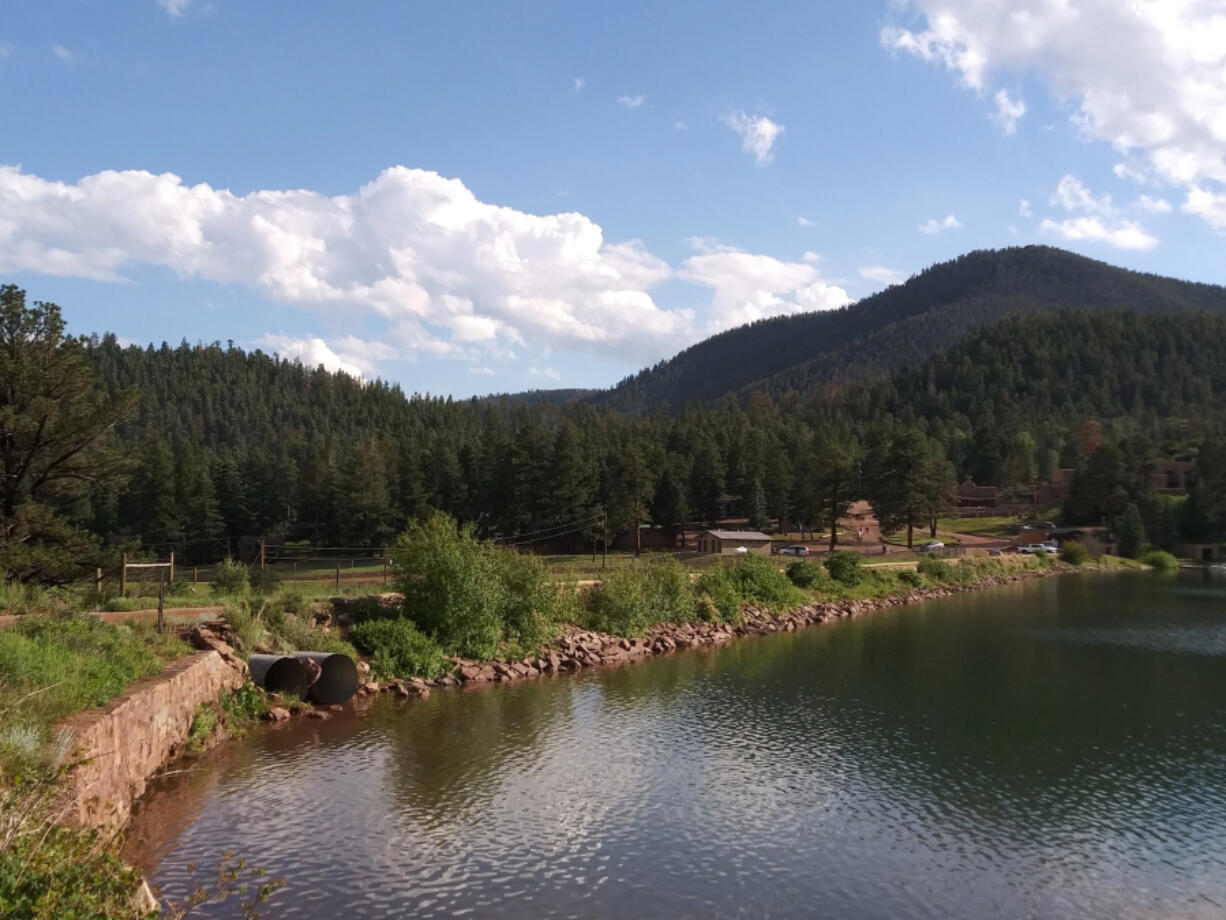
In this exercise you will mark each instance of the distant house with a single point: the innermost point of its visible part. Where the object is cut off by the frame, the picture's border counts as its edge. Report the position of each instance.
(726, 542)
(859, 524)
(973, 496)
(1056, 491)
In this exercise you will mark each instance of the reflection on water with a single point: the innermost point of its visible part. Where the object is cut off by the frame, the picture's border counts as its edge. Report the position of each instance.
(1053, 749)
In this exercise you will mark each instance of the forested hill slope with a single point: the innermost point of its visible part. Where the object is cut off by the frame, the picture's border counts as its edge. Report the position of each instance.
(900, 326)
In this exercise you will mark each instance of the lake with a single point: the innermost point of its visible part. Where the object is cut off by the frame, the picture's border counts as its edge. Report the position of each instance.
(1050, 749)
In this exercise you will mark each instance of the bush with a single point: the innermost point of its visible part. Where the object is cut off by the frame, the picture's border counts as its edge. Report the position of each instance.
(264, 581)
(845, 567)
(451, 586)
(1074, 553)
(804, 574)
(1160, 560)
(399, 649)
(246, 704)
(910, 578)
(230, 578)
(48, 871)
(530, 599)
(644, 594)
(748, 580)
(935, 569)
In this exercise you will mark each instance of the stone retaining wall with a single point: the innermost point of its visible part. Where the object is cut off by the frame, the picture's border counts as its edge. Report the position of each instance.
(126, 741)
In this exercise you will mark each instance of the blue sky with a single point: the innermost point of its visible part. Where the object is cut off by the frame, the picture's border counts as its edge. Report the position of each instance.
(474, 197)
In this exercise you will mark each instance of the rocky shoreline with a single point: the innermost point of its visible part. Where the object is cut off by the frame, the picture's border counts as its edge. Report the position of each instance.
(576, 648)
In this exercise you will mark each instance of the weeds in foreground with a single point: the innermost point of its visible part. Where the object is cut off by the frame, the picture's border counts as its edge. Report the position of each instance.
(54, 666)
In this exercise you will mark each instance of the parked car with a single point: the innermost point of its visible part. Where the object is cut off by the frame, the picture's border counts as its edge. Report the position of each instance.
(741, 551)
(932, 546)
(995, 551)
(794, 549)
(1046, 525)
(1039, 548)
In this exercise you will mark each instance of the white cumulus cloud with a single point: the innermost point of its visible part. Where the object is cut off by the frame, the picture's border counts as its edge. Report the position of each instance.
(577, 84)
(442, 272)
(63, 54)
(175, 7)
(1101, 220)
(1123, 235)
(1153, 205)
(805, 222)
(1147, 77)
(1210, 206)
(351, 356)
(631, 102)
(750, 287)
(758, 135)
(882, 275)
(1009, 111)
(934, 226)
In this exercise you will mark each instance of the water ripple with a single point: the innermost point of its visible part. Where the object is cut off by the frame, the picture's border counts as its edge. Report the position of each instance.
(1049, 751)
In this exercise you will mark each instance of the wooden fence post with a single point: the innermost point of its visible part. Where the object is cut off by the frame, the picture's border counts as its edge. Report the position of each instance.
(98, 581)
(261, 555)
(338, 576)
(123, 577)
(172, 567)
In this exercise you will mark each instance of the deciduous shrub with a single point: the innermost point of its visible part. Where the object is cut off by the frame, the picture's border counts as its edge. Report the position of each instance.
(910, 578)
(230, 577)
(263, 581)
(451, 586)
(646, 593)
(1074, 553)
(398, 649)
(935, 569)
(845, 567)
(530, 599)
(804, 574)
(469, 596)
(1160, 560)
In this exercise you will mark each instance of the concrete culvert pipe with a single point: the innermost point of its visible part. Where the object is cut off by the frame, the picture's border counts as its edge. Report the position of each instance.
(338, 678)
(279, 674)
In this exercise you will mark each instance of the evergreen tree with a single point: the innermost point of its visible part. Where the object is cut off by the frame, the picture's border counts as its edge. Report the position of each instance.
(1132, 533)
(54, 431)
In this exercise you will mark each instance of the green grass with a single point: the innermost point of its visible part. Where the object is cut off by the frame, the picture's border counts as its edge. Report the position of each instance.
(52, 667)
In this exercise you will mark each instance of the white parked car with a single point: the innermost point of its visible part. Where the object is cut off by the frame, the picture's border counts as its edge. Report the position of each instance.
(1039, 548)
(932, 546)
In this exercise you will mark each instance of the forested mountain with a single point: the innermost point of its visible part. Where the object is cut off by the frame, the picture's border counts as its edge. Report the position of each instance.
(899, 326)
(228, 443)
(222, 443)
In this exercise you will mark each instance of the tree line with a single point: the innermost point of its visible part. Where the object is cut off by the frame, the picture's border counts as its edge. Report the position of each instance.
(190, 448)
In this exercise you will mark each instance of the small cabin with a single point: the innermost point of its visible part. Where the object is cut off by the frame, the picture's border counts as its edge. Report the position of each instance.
(727, 542)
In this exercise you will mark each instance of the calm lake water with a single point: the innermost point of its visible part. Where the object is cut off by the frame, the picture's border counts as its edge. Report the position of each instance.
(1053, 749)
